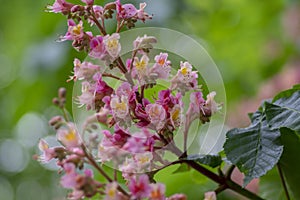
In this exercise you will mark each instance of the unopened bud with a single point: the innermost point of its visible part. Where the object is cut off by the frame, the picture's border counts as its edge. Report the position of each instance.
(77, 8)
(110, 6)
(62, 93)
(55, 101)
(55, 120)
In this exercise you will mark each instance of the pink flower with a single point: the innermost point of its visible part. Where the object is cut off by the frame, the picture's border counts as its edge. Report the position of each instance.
(210, 196)
(196, 102)
(48, 153)
(185, 79)
(85, 70)
(211, 103)
(161, 69)
(75, 31)
(135, 144)
(140, 142)
(69, 179)
(125, 11)
(69, 136)
(112, 45)
(128, 168)
(141, 14)
(118, 138)
(140, 187)
(83, 185)
(119, 107)
(76, 194)
(97, 48)
(87, 96)
(143, 160)
(140, 70)
(111, 191)
(144, 42)
(141, 114)
(157, 115)
(101, 87)
(177, 197)
(167, 100)
(60, 6)
(176, 116)
(157, 192)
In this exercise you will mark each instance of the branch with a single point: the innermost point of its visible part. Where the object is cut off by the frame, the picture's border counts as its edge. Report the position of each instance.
(224, 182)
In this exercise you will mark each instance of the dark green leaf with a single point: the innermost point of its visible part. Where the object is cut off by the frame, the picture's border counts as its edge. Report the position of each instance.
(210, 160)
(290, 160)
(285, 111)
(255, 149)
(182, 168)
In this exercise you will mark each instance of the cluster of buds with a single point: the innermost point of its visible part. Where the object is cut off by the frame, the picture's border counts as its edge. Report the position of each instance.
(143, 128)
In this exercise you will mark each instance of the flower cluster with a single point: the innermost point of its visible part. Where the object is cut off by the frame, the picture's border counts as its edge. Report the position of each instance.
(139, 129)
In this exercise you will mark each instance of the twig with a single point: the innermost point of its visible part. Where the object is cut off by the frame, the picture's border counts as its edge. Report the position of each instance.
(229, 171)
(113, 76)
(120, 26)
(102, 30)
(283, 182)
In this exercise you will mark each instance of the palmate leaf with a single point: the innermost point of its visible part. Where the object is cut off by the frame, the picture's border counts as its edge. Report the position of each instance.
(284, 111)
(210, 160)
(255, 149)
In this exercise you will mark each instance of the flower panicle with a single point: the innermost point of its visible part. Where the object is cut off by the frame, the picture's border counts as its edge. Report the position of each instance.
(136, 123)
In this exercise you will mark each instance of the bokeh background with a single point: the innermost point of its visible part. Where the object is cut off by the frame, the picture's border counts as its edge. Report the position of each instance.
(255, 44)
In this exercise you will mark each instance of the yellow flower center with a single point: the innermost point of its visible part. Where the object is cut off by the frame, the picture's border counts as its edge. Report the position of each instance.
(184, 71)
(112, 44)
(77, 29)
(175, 114)
(111, 192)
(143, 160)
(121, 106)
(141, 65)
(44, 146)
(154, 112)
(161, 62)
(155, 194)
(71, 135)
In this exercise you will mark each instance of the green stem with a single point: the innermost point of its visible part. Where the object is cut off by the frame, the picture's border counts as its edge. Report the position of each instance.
(65, 114)
(283, 182)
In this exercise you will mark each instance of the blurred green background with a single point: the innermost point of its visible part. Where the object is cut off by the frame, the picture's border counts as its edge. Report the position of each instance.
(254, 43)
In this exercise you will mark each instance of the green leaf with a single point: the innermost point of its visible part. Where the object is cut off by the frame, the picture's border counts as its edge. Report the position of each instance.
(255, 149)
(285, 111)
(270, 186)
(286, 93)
(290, 160)
(210, 160)
(182, 168)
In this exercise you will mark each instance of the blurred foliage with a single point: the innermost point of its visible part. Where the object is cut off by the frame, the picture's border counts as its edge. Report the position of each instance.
(245, 39)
